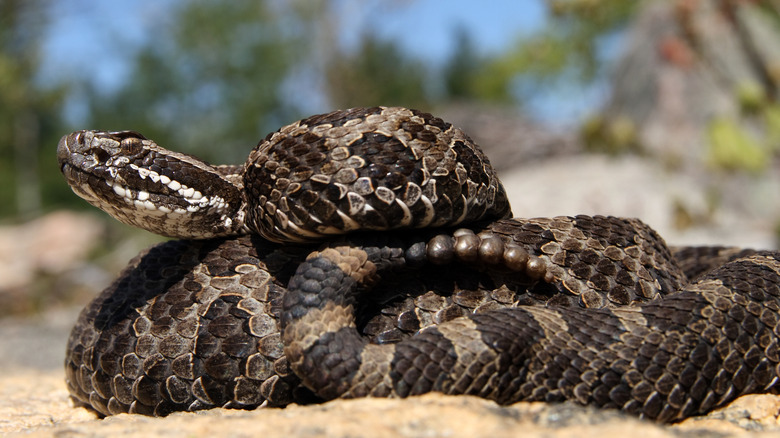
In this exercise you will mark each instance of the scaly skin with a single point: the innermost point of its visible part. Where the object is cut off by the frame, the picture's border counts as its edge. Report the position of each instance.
(197, 324)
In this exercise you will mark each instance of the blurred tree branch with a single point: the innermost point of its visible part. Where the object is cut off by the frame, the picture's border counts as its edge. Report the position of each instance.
(29, 113)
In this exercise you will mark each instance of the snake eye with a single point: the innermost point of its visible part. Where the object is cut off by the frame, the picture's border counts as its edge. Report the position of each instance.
(131, 145)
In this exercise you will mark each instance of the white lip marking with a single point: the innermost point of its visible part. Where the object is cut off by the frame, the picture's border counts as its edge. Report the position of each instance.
(119, 190)
(174, 185)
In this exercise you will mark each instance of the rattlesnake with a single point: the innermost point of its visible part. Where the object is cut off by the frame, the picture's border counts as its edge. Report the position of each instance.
(195, 324)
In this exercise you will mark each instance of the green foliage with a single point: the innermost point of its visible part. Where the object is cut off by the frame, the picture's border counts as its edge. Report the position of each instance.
(29, 114)
(462, 69)
(751, 96)
(378, 73)
(611, 136)
(571, 41)
(777, 234)
(467, 75)
(748, 141)
(211, 82)
(772, 120)
(732, 148)
(566, 49)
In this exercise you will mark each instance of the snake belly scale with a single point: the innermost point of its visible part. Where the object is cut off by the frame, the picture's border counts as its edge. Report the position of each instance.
(596, 310)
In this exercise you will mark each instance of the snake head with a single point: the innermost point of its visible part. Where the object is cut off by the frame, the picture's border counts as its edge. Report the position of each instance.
(144, 185)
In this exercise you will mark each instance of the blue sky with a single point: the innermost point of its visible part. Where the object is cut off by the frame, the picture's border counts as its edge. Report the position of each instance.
(493, 24)
(91, 39)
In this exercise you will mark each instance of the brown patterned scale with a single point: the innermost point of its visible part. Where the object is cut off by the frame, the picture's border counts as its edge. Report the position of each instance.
(626, 322)
(194, 324)
(678, 349)
(359, 169)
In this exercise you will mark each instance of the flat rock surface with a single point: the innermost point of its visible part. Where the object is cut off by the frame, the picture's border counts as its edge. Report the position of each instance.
(34, 403)
(48, 412)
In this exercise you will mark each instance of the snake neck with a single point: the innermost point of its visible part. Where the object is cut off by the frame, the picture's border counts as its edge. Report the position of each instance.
(144, 185)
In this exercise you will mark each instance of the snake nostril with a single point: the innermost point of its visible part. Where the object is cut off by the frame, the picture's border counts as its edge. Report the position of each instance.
(101, 156)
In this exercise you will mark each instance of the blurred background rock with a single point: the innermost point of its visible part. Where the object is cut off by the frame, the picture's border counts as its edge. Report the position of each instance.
(665, 110)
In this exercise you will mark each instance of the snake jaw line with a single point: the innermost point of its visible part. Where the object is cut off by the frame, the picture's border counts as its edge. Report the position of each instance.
(136, 181)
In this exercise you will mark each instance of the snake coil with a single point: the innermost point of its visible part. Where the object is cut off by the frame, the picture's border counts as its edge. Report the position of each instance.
(596, 310)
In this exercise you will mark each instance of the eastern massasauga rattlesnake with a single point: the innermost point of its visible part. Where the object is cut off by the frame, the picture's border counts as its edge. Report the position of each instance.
(596, 310)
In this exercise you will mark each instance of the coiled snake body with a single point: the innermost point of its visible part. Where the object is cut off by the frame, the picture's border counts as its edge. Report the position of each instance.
(596, 310)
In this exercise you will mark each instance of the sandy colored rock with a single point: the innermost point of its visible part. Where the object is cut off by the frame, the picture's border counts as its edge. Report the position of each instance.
(34, 403)
(51, 244)
(750, 412)
(49, 413)
(676, 205)
(30, 400)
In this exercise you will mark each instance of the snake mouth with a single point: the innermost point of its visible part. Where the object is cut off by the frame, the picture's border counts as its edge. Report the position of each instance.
(80, 184)
(160, 194)
(132, 179)
(101, 173)
(160, 202)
